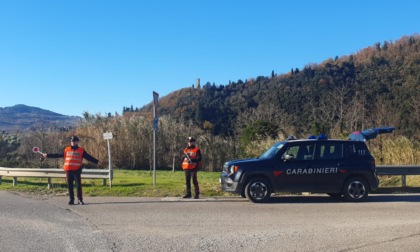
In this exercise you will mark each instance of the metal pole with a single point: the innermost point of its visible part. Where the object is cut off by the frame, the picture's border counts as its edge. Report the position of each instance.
(154, 158)
(154, 149)
(110, 164)
(155, 128)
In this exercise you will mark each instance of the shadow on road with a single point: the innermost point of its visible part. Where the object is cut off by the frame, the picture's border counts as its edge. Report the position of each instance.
(172, 200)
(277, 199)
(326, 199)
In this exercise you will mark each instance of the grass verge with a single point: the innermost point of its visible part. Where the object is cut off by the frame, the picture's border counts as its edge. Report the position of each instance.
(125, 183)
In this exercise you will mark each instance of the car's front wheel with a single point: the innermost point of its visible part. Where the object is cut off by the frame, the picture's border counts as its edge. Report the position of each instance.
(258, 190)
(355, 189)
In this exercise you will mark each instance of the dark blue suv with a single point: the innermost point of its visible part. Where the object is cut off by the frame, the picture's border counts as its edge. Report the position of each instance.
(336, 167)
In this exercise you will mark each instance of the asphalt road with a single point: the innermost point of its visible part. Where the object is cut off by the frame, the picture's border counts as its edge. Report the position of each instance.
(287, 223)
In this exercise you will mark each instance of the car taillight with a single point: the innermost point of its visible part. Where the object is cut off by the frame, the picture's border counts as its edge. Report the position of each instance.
(373, 164)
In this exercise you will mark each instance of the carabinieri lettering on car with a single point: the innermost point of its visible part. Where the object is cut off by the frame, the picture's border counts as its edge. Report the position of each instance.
(312, 171)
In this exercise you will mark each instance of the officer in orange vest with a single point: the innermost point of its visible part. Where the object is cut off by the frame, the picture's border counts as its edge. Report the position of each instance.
(73, 156)
(191, 164)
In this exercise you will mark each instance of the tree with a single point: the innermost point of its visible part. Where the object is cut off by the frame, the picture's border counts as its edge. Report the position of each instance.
(258, 129)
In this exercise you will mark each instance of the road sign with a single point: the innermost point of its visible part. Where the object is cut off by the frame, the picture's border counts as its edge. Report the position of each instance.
(107, 135)
(155, 102)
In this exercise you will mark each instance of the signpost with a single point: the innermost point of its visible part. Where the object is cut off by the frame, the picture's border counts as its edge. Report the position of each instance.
(155, 127)
(107, 136)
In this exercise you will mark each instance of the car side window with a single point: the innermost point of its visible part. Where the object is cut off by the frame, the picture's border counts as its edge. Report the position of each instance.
(306, 151)
(302, 151)
(292, 151)
(329, 150)
(351, 150)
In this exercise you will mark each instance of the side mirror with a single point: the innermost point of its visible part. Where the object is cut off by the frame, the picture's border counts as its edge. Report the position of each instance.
(288, 157)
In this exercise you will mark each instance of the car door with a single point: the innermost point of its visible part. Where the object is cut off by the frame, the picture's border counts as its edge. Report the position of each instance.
(326, 166)
(296, 164)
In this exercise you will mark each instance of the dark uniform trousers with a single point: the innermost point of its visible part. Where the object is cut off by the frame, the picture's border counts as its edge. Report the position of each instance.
(71, 178)
(188, 175)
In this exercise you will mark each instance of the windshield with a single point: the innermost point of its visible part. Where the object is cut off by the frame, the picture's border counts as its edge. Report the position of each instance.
(273, 150)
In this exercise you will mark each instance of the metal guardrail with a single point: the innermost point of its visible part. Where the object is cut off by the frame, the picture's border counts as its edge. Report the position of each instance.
(402, 170)
(52, 173)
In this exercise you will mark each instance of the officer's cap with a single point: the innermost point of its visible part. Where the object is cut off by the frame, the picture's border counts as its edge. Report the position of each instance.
(74, 139)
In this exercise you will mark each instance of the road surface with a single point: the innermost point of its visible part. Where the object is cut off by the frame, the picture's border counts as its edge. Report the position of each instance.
(388, 222)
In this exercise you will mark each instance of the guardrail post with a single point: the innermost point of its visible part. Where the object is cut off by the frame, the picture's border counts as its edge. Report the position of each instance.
(49, 183)
(14, 181)
(403, 180)
(0, 180)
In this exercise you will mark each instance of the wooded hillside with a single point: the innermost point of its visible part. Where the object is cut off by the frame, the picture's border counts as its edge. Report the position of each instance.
(379, 85)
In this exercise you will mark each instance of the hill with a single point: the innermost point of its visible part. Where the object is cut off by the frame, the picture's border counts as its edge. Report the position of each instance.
(23, 117)
(379, 85)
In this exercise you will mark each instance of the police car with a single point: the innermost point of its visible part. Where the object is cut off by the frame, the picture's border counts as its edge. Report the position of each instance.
(318, 165)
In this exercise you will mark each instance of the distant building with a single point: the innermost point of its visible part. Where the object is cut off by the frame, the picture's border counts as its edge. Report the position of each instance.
(197, 83)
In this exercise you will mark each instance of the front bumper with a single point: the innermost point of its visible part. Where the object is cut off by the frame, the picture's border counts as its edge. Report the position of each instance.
(227, 184)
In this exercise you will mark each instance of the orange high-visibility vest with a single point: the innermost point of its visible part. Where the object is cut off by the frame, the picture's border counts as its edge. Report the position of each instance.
(192, 153)
(73, 158)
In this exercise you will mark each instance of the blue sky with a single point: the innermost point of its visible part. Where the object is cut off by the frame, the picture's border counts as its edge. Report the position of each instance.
(72, 56)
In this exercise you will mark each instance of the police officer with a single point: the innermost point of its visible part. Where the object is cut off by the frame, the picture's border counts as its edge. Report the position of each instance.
(192, 162)
(73, 156)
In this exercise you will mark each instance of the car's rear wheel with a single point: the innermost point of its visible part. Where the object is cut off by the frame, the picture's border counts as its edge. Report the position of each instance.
(355, 189)
(258, 190)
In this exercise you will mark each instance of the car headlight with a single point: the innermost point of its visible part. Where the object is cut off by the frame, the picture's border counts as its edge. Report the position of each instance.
(233, 169)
